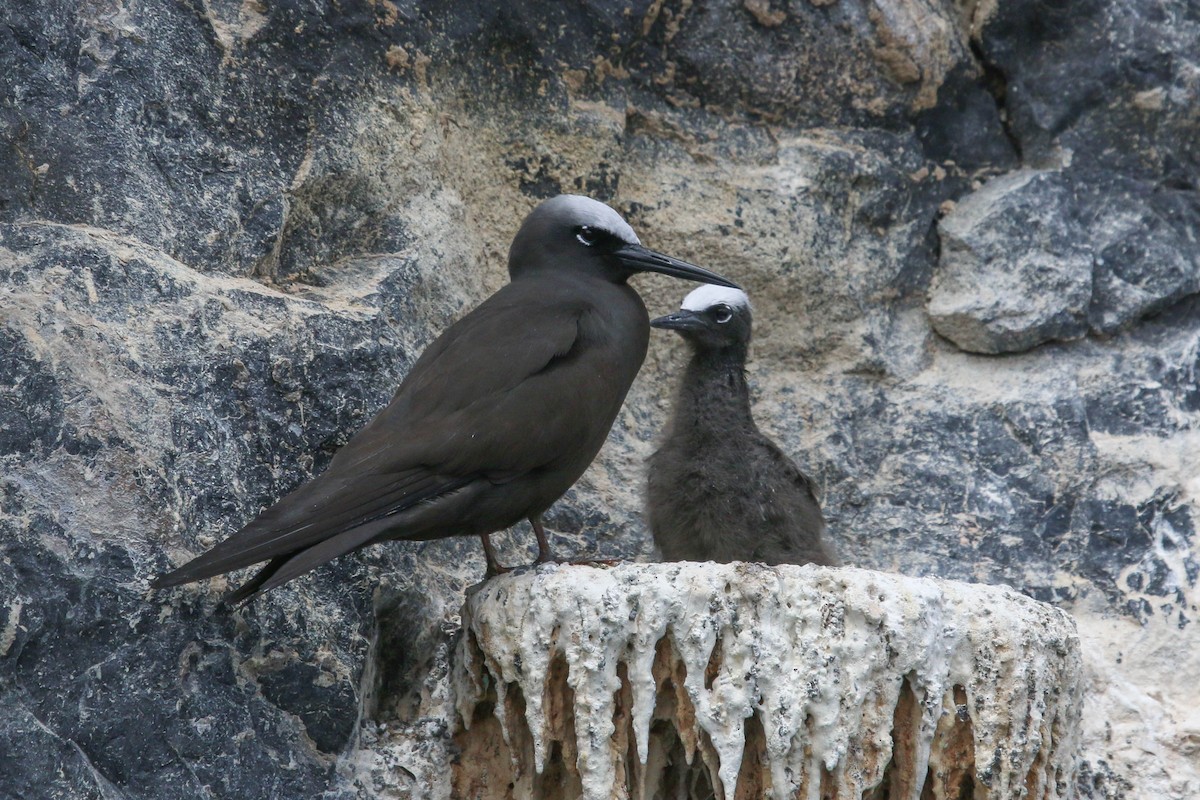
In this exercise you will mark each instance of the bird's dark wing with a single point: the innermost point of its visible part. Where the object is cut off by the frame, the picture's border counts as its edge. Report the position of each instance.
(805, 541)
(798, 476)
(507, 389)
(449, 423)
(559, 413)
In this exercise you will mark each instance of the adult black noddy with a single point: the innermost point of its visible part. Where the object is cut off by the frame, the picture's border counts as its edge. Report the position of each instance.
(718, 489)
(495, 421)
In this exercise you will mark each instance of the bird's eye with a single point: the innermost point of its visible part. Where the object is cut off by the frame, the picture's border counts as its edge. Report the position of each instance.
(722, 313)
(587, 235)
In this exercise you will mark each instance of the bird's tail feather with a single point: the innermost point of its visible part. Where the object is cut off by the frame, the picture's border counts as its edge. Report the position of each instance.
(281, 570)
(297, 523)
(253, 586)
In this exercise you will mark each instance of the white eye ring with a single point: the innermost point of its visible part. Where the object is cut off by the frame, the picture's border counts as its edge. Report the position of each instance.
(587, 235)
(722, 313)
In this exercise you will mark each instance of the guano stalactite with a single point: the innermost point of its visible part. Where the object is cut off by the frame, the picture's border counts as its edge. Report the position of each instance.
(744, 681)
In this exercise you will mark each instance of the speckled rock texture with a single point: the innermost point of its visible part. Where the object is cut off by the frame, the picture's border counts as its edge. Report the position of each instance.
(1011, 274)
(227, 228)
(742, 680)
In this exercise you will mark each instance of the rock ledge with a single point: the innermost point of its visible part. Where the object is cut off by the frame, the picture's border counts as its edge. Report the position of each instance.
(749, 681)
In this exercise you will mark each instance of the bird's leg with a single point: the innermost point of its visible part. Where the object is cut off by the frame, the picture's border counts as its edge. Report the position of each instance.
(493, 566)
(544, 553)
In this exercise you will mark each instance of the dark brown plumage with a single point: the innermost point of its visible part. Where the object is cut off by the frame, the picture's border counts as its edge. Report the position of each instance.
(495, 421)
(718, 489)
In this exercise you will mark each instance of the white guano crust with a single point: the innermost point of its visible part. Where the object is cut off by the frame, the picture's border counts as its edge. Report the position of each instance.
(709, 295)
(820, 654)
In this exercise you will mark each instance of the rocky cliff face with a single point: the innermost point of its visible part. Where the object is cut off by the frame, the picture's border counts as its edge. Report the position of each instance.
(227, 228)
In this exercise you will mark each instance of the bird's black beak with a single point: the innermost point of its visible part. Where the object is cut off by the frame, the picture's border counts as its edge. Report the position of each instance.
(642, 259)
(682, 320)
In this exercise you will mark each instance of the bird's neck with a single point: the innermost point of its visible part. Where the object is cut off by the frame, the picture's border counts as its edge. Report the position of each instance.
(714, 392)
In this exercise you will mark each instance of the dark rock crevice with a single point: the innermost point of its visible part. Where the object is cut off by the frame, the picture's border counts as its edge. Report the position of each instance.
(995, 83)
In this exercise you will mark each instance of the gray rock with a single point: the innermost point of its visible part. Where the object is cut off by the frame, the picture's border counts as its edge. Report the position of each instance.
(121, 402)
(1109, 92)
(1012, 274)
(1146, 259)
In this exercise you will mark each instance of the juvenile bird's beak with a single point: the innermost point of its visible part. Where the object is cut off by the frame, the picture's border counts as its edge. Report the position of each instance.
(642, 259)
(682, 320)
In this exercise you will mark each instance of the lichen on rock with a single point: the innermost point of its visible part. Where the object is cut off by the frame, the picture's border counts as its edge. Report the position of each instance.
(759, 681)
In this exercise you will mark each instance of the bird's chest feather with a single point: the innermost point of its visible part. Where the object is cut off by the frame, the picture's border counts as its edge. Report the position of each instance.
(707, 459)
(616, 336)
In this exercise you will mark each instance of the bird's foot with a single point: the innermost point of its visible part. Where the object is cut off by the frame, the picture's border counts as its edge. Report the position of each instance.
(595, 562)
(495, 569)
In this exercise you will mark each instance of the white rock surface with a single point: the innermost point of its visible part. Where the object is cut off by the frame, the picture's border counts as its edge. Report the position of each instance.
(856, 680)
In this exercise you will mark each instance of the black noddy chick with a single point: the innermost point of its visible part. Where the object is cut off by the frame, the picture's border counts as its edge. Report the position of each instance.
(495, 421)
(719, 490)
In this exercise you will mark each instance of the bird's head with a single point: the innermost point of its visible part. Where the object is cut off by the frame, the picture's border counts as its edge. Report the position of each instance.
(570, 233)
(711, 318)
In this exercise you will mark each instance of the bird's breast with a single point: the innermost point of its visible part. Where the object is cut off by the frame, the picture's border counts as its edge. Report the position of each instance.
(617, 324)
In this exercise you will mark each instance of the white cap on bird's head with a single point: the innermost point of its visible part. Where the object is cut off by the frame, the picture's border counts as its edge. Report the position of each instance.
(710, 295)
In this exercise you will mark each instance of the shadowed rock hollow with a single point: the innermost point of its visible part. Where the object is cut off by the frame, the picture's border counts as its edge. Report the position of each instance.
(228, 228)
